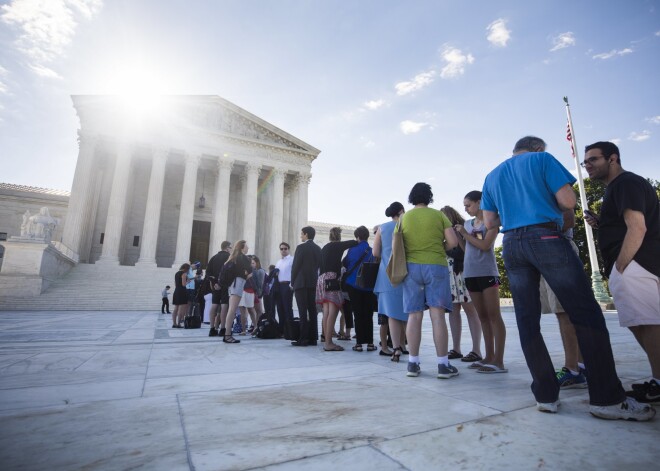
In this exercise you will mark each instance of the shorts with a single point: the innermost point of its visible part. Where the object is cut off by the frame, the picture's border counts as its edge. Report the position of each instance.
(549, 302)
(247, 300)
(636, 294)
(236, 288)
(426, 285)
(477, 284)
(221, 296)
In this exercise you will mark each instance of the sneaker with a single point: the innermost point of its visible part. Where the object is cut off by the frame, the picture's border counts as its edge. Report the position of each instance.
(213, 332)
(446, 372)
(629, 409)
(550, 407)
(568, 380)
(647, 393)
(413, 369)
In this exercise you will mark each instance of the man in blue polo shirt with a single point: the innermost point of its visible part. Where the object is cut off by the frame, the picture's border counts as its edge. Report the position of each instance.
(530, 192)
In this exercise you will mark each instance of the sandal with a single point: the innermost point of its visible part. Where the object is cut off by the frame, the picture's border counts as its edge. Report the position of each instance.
(471, 357)
(383, 353)
(230, 339)
(453, 355)
(343, 337)
(396, 354)
(357, 348)
(334, 348)
(371, 347)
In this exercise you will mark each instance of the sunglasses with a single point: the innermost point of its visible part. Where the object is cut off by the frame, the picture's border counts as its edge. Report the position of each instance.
(284, 248)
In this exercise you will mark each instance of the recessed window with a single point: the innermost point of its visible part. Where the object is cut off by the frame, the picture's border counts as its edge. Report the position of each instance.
(136, 241)
(102, 237)
(3, 236)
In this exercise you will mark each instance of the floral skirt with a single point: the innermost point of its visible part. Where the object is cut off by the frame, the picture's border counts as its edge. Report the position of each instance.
(459, 293)
(323, 296)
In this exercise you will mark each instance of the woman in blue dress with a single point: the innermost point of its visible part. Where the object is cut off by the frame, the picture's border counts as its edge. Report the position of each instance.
(390, 299)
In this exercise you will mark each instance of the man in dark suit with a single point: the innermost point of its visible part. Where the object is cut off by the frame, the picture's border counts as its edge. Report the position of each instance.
(304, 274)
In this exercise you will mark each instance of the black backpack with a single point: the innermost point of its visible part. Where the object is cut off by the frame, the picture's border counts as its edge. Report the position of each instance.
(227, 274)
(267, 328)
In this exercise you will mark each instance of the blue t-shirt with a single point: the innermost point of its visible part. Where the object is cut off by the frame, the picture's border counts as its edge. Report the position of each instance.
(522, 190)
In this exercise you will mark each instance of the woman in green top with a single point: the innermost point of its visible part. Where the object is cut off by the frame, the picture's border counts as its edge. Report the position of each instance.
(427, 234)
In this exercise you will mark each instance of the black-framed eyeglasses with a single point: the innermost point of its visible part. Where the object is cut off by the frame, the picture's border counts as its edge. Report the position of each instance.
(284, 248)
(591, 160)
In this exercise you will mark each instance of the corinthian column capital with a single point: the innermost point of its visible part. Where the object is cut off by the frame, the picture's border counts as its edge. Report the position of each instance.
(225, 164)
(303, 178)
(252, 169)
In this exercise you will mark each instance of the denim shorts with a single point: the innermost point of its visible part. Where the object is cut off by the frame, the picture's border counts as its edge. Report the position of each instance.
(236, 288)
(426, 286)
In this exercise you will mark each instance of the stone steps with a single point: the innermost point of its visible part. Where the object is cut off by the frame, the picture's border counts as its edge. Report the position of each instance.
(99, 288)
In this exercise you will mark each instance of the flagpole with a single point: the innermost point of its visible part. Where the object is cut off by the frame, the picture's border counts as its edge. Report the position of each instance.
(596, 279)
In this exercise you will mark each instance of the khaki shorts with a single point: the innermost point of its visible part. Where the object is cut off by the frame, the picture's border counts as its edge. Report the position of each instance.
(636, 294)
(549, 302)
(247, 300)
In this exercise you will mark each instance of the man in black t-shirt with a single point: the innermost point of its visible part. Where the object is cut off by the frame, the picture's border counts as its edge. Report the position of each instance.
(629, 239)
(220, 294)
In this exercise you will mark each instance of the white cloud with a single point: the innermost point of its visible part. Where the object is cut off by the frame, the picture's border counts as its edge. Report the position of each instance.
(369, 144)
(456, 62)
(3, 86)
(657, 33)
(640, 136)
(616, 141)
(417, 83)
(563, 40)
(612, 53)
(498, 34)
(654, 120)
(43, 71)
(411, 127)
(374, 104)
(46, 27)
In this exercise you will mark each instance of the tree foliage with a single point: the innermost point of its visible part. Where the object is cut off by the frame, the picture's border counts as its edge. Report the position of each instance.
(594, 192)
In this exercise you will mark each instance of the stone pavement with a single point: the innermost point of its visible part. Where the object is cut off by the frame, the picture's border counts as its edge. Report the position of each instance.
(119, 390)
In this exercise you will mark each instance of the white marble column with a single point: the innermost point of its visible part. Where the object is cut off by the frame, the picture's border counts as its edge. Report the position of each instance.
(294, 228)
(221, 205)
(303, 187)
(250, 208)
(286, 230)
(153, 209)
(186, 211)
(82, 192)
(114, 223)
(277, 213)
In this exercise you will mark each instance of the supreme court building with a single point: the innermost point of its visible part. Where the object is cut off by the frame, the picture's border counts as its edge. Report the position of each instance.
(166, 183)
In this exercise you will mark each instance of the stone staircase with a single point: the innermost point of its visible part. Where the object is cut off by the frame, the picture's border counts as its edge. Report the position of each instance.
(99, 288)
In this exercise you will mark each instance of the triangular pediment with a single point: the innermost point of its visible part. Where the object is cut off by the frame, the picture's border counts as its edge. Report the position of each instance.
(217, 115)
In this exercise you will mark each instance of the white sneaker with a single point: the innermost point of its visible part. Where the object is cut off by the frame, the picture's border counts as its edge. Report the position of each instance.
(629, 409)
(548, 406)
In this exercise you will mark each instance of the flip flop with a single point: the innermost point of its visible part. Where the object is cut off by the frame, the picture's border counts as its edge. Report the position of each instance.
(476, 365)
(491, 369)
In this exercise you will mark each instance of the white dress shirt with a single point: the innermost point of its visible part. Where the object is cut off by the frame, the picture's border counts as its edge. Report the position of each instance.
(284, 266)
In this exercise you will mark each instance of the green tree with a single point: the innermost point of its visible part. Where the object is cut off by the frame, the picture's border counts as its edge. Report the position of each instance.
(505, 290)
(594, 191)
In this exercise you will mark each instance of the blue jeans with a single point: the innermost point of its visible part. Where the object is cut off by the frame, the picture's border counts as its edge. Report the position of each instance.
(529, 253)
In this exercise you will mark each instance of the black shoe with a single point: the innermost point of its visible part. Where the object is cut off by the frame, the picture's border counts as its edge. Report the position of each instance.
(213, 332)
(312, 344)
(299, 343)
(647, 393)
(222, 332)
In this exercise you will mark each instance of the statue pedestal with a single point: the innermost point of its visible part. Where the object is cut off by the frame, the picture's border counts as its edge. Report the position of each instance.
(30, 265)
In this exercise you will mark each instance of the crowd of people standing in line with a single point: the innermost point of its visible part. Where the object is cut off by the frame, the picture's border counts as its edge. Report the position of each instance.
(451, 264)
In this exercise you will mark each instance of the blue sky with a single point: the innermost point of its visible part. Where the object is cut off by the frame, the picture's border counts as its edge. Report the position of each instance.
(391, 92)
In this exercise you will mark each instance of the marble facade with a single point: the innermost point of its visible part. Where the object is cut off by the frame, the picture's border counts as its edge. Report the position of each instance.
(140, 174)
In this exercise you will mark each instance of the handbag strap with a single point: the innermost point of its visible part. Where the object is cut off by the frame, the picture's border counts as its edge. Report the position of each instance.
(357, 264)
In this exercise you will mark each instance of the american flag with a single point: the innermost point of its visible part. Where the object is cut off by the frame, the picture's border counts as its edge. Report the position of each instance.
(569, 137)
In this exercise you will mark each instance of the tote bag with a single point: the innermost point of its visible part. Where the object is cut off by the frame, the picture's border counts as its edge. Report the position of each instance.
(397, 269)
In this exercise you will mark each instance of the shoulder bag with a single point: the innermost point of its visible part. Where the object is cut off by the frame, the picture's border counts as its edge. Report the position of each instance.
(397, 269)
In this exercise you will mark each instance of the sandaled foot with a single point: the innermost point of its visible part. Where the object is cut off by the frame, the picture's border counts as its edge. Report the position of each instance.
(396, 354)
(343, 337)
(384, 353)
(357, 348)
(371, 347)
(334, 348)
(454, 355)
(471, 357)
(230, 339)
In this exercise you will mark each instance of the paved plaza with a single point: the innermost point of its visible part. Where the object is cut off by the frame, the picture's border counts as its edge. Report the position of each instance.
(120, 390)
